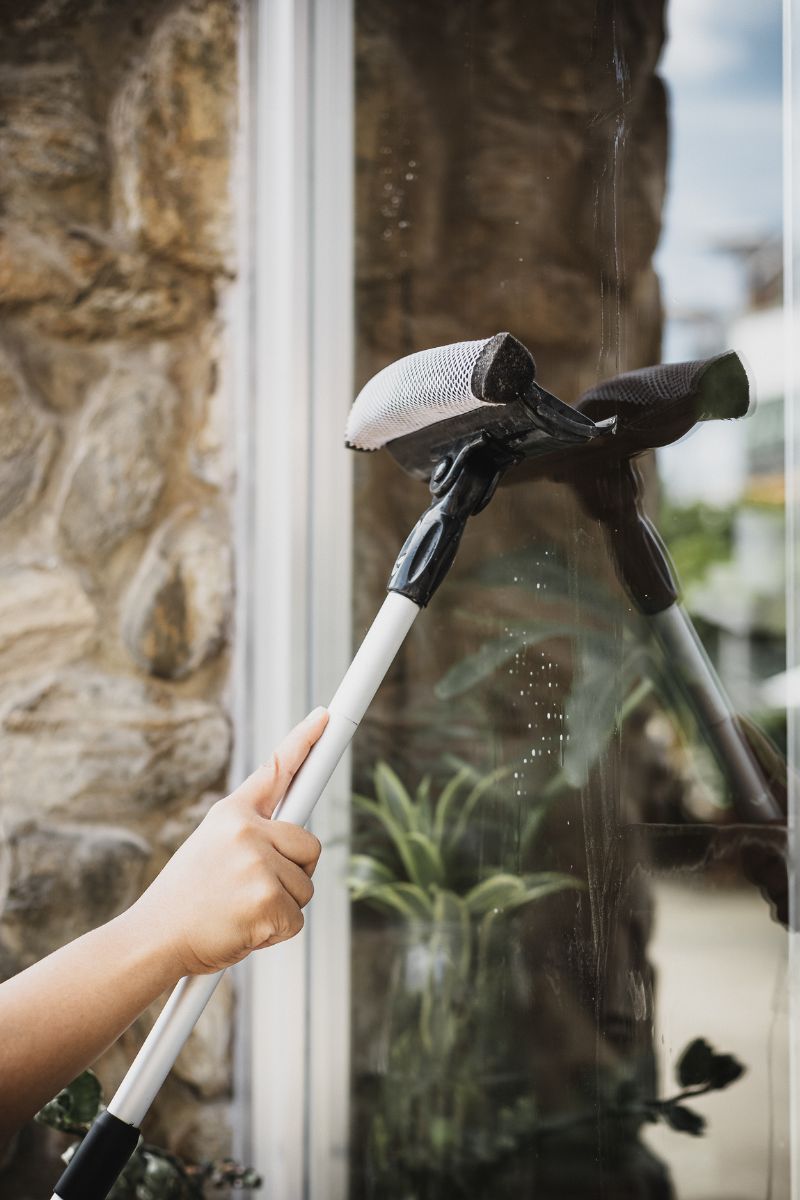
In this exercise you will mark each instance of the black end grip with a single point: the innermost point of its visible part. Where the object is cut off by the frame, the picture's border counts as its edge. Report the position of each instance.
(657, 405)
(99, 1160)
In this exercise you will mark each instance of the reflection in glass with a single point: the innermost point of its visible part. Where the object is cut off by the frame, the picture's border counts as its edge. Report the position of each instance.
(567, 964)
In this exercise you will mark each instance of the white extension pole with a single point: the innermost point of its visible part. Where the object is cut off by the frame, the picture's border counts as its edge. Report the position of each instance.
(353, 696)
(686, 655)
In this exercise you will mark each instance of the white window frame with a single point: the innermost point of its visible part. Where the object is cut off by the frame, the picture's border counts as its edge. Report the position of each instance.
(293, 363)
(791, 298)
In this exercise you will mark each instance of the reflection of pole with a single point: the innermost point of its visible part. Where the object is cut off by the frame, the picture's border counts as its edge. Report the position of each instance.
(685, 654)
(613, 496)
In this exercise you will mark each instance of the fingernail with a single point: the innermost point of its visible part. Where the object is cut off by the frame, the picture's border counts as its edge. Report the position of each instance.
(316, 714)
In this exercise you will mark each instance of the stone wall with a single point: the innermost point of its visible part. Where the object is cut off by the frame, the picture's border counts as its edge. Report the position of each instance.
(116, 572)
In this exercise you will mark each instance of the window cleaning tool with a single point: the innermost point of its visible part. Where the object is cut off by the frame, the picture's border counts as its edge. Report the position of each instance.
(651, 407)
(459, 416)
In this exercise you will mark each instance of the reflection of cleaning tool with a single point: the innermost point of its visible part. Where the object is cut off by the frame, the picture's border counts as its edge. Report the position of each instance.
(461, 416)
(654, 407)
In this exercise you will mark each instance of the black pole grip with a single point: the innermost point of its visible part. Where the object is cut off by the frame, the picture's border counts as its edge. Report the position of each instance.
(460, 490)
(99, 1160)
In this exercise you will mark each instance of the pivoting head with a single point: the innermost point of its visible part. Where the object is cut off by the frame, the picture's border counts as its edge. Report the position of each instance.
(459, 416)
(429, 406)
(432, 405)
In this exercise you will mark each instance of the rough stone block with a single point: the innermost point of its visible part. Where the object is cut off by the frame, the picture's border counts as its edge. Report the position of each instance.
(96, 746)
(118, 474)
(25, 16)
(61, 373)
(178, 607)
(172, 129)
(210, 455)
(131, 295)
(46, 620)
(49, 264)
(64, 880)
(204, 379)
(87, 285)
(27, 443)
(48, 133)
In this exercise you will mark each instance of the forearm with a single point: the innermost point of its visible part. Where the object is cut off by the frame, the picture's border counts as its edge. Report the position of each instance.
(236, 884)
(59, 1016)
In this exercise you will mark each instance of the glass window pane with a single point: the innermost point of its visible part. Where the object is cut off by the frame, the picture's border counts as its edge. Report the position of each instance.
(568, 959)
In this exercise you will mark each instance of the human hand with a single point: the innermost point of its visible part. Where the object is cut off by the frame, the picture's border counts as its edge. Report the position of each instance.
(239, 882)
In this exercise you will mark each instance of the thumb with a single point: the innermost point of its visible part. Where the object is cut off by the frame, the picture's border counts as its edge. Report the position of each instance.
(266, 787)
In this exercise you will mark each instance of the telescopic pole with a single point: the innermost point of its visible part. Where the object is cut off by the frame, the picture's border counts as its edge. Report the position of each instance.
(105, 1150)
(460, 488)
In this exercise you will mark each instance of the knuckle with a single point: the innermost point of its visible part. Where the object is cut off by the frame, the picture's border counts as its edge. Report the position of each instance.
(291, 918)
(221, 817)
(286, 924)
(277, 831)
(268, 772)
(240, 830)
(270, 894)
(271, 834)
(220, 807)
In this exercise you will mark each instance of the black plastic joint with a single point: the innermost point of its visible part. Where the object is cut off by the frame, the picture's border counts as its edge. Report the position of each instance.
(460, 489)
(426, 556)
(99, 1160)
